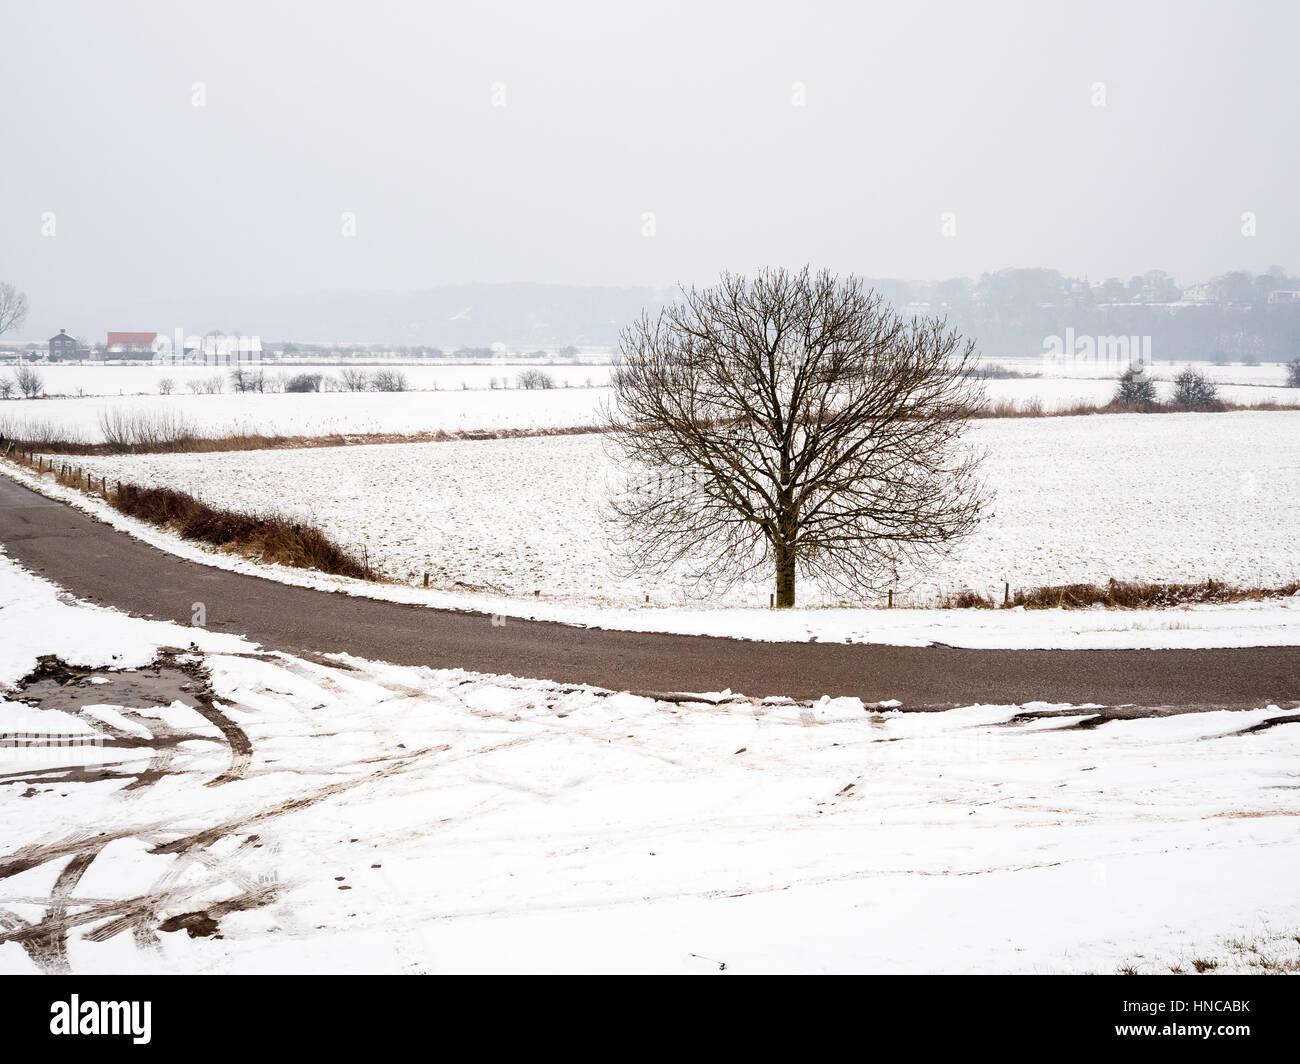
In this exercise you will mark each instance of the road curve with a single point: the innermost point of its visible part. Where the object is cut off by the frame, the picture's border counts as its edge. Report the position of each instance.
(99, 564)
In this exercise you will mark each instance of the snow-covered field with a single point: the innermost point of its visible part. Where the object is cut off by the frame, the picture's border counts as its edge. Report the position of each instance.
(313, 414)
(343, 815)
(1260, 374)
(90, 379)
(1059, 393)
(100, 379)
(441, 403)
(1173, 497)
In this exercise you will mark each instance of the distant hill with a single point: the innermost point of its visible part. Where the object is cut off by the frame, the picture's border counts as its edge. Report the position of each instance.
(1234, 317)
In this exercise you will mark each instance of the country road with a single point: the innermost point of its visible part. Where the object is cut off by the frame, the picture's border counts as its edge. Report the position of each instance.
(99, 564)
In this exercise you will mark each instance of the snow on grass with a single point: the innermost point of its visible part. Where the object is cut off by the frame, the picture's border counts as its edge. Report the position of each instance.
(1258, 375)
(1062, 393)
(91, 379)
(131, 391)
(315, 413)
(410, 820)
(1172, 498)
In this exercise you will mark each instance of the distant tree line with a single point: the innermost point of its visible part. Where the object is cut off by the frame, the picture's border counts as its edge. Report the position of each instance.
(1013, 312)
(335, 352)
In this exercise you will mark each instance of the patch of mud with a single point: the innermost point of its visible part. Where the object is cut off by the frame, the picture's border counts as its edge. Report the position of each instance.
(198, 925)
(173, 676)
(1095, 717)
(1271, 722)
(56, 685)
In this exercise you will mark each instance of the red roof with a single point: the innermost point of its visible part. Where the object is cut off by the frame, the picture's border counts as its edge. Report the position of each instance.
(125, 339)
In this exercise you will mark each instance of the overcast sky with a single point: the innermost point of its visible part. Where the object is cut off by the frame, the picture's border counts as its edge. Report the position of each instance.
(685, 111)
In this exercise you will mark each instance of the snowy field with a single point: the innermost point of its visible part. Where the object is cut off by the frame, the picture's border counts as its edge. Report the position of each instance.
(1171, 497)
(1261, 374)
(460, 398)
(91, 379)
(342, 815)
(98, 379)
(314, 414)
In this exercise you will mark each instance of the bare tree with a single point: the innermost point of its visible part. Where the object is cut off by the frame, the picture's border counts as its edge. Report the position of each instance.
(244, 378)
(28, 380)
(389, 380)
(13, 307)
(792, 423)
(535, 378)
(303, 382)
(355, 380)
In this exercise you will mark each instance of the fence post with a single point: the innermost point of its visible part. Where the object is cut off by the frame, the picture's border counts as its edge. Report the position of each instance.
(891, 598)
(1006, 594)
(426, 579)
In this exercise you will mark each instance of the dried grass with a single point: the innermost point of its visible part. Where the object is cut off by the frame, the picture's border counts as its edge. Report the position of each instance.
(270, 537)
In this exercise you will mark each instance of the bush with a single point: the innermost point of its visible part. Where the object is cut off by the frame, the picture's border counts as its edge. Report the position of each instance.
(994, 372)
(1293, 374)
(1195, 391)
(389, 380)
(206, 386)
(1136, 390)
(166, 386)
(535, 378)
(1135, 594)
(28, 381)
(354, 380)
(270, 537)
(244, 379)
(125, 431)
(303, 382)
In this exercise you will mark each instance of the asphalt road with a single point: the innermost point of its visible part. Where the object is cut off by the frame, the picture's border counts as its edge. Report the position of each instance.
(99, 564)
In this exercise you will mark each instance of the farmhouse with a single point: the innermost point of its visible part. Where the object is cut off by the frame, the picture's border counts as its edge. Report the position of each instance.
(64, 346)
(131, 345)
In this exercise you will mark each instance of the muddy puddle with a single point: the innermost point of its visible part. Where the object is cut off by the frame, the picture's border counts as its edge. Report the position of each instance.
(130, 723)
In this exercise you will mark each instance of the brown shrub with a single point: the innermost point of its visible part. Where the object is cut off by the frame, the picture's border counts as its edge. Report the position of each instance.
(1132, 594)
(270, 537)
(967, 600)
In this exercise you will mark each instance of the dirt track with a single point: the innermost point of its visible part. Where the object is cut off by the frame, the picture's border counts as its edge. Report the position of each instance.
(99, 564)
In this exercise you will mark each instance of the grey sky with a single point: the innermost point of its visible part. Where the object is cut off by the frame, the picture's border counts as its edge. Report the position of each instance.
(683, 110)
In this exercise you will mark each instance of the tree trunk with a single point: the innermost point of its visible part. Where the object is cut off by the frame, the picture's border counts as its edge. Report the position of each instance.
(784, 576)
